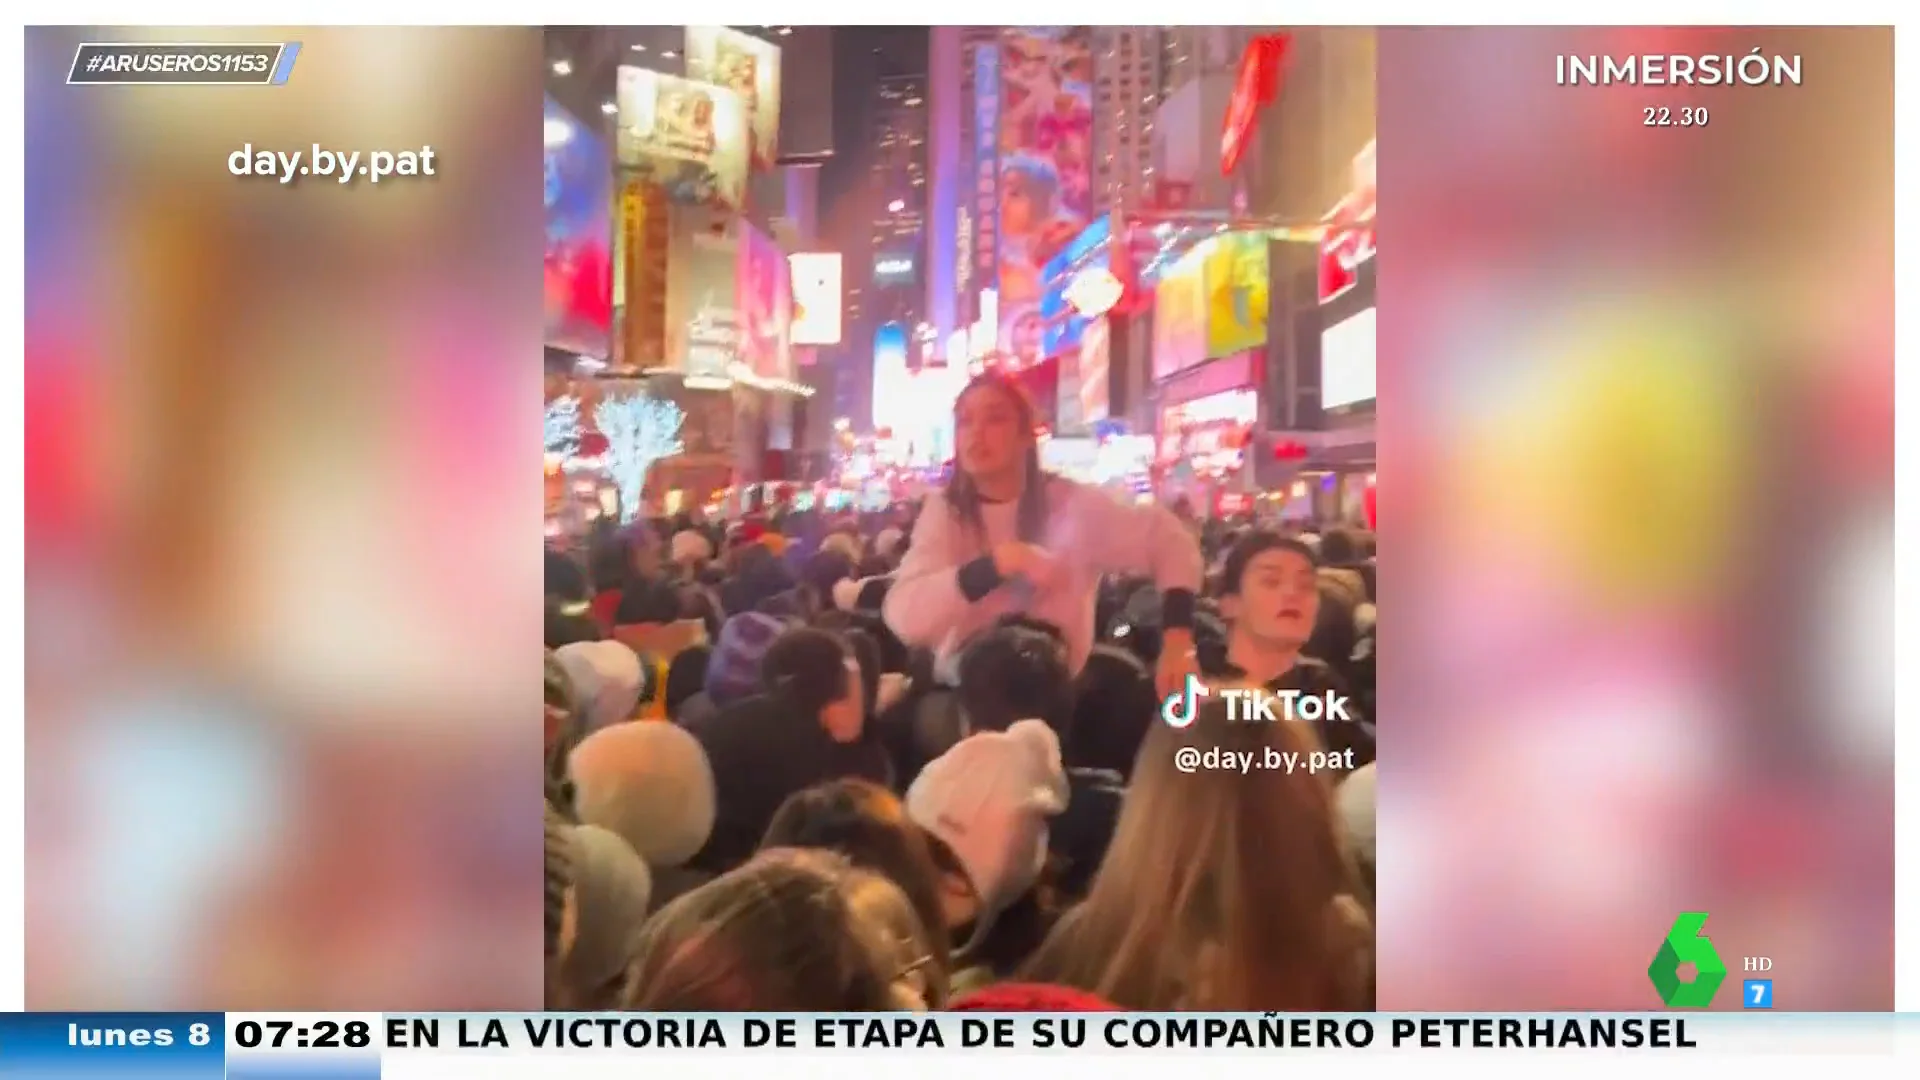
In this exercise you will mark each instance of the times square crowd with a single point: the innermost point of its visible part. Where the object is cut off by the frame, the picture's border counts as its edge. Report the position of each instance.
(916, 760)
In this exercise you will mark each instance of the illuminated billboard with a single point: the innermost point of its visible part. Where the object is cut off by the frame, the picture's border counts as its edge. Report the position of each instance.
(1064, 325)
(750, 68)
(891, 382)
(986, 171)
(764, 297)
(691, 138)
(1347, 373)
(816, 297)
(579, 227)
(702, 315)
(1180, 316)
(1349, 241)
(1235, 272)
(1045, 196)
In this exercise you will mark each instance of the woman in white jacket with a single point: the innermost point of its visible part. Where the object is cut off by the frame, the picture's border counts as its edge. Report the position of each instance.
(1006, 537)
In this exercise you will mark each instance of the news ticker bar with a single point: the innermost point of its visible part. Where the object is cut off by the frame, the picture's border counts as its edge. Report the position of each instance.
(193, 63)
(371, 1046)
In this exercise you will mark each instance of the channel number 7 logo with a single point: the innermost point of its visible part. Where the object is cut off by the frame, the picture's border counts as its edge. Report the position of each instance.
(1685, 944)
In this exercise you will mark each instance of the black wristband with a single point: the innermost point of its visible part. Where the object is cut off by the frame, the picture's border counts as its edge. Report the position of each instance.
(1176, 609)
(978, 578)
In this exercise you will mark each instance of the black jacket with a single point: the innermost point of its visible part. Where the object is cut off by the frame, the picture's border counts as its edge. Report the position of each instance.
(1077, 839)
(762, 751)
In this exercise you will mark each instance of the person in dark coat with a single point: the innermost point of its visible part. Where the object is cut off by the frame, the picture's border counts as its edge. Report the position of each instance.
(1270, 594)
(806, 727)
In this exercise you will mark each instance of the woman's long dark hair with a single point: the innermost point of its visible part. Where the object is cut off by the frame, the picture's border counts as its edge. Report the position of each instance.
(964, 497)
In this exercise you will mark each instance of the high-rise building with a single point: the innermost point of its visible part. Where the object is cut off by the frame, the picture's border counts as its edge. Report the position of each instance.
(1129, 73)
(881, 160)
(1189, 52)
(894, 194)
(1199, 70)
(897, 183)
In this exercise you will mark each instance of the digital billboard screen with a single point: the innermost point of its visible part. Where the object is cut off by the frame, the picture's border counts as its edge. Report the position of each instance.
(1064, 325)
(578, 192)
(1347, 372)
(817, 299)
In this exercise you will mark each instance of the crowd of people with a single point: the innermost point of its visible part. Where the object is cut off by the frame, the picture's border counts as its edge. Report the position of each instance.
(917, 760)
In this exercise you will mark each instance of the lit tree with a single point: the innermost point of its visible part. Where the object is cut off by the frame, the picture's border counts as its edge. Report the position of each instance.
(640, 430)
(563, 426)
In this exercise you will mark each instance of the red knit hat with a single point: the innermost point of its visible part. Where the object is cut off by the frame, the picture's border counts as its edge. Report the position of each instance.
(1031, 997)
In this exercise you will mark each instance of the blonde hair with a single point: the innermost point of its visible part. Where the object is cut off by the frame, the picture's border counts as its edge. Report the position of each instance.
(779, 934)
(920, 978)
(1222, 890)
(866, 824)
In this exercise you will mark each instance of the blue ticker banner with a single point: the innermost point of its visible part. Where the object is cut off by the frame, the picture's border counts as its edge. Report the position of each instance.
(83, 1046)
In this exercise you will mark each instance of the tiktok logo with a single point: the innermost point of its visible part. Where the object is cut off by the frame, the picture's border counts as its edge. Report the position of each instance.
(1180, 708)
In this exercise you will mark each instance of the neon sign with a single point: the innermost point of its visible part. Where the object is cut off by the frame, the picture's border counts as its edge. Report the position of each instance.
(1256, 87)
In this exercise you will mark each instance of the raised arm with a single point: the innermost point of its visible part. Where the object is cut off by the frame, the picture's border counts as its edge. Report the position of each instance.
(1123, 538)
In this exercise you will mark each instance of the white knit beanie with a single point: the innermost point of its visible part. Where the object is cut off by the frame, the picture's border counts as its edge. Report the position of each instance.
(650, 784)
(611, 886)
(988, 799)
(607, 679)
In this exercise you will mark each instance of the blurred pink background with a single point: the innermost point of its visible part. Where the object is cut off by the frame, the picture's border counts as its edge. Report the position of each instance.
(1636, 465)
(281, 518)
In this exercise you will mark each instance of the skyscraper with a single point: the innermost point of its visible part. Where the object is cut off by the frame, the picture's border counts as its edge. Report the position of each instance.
(1199, 69)
(897, 188)
(1189, 52)
(1128, 73)
(869, 172)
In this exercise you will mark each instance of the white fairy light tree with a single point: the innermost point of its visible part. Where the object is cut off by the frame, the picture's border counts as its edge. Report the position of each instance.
(640, 430)
(563, 426)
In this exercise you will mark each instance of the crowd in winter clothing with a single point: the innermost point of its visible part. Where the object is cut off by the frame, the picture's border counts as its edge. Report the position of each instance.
(912, 760)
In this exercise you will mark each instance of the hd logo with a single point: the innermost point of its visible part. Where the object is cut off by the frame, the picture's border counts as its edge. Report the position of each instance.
(1685, 944)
